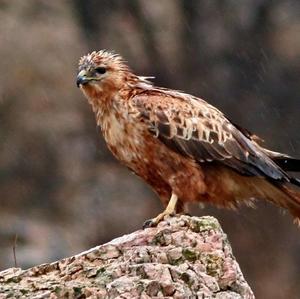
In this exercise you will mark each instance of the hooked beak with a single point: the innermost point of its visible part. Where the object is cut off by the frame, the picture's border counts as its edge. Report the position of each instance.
(82, 78)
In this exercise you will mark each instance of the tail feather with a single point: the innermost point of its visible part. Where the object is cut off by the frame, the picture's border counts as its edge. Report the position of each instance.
(295, 181)
(292, 190)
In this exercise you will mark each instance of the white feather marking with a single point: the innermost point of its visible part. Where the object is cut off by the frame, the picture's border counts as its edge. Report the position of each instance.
(173, 130)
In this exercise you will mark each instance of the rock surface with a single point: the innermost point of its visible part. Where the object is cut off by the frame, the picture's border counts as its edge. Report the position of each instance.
(183, 257)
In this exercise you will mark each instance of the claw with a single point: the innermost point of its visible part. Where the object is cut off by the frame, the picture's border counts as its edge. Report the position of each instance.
(169, 211)
(148, 223)
(154, 221)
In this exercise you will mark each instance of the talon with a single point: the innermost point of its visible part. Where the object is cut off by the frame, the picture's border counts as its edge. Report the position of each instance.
(169, 211)
(148, 223)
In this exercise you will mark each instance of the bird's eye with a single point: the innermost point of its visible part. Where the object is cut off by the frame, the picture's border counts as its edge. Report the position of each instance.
(100, 70)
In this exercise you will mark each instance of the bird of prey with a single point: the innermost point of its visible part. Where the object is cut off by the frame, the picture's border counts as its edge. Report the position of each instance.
(183, 147)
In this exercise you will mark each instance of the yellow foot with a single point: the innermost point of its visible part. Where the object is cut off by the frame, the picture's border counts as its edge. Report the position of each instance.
(154, 221)
(169, 211)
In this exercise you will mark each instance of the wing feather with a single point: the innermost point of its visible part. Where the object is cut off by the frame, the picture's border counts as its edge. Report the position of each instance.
(192, 127)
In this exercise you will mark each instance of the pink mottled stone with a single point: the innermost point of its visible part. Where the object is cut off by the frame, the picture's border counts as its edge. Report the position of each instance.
(183, 257)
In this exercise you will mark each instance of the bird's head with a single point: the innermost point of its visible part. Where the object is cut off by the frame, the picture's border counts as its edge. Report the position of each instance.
(102, 73)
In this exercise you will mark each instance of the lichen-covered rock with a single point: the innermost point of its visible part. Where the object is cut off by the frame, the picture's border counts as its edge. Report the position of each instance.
(183, 257)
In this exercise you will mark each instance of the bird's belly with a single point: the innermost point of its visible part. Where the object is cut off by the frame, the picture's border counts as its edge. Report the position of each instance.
(163, 169)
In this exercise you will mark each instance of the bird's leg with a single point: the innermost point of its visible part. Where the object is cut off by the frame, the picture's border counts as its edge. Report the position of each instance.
(169, 211)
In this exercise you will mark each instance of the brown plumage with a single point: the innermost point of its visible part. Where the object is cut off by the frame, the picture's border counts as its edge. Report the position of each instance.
(185, 148)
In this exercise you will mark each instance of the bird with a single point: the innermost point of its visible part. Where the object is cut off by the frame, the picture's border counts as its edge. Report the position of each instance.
(183, 147)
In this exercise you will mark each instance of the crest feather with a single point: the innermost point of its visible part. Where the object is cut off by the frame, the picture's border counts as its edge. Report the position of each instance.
(104, 57)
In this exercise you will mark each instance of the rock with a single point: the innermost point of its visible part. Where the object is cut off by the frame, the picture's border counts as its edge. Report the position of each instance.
(183, 257)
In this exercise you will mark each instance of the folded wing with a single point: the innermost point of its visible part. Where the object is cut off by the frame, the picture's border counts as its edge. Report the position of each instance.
(192, 127)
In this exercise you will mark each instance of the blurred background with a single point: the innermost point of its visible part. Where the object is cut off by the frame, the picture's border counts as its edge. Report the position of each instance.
(62, 192)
